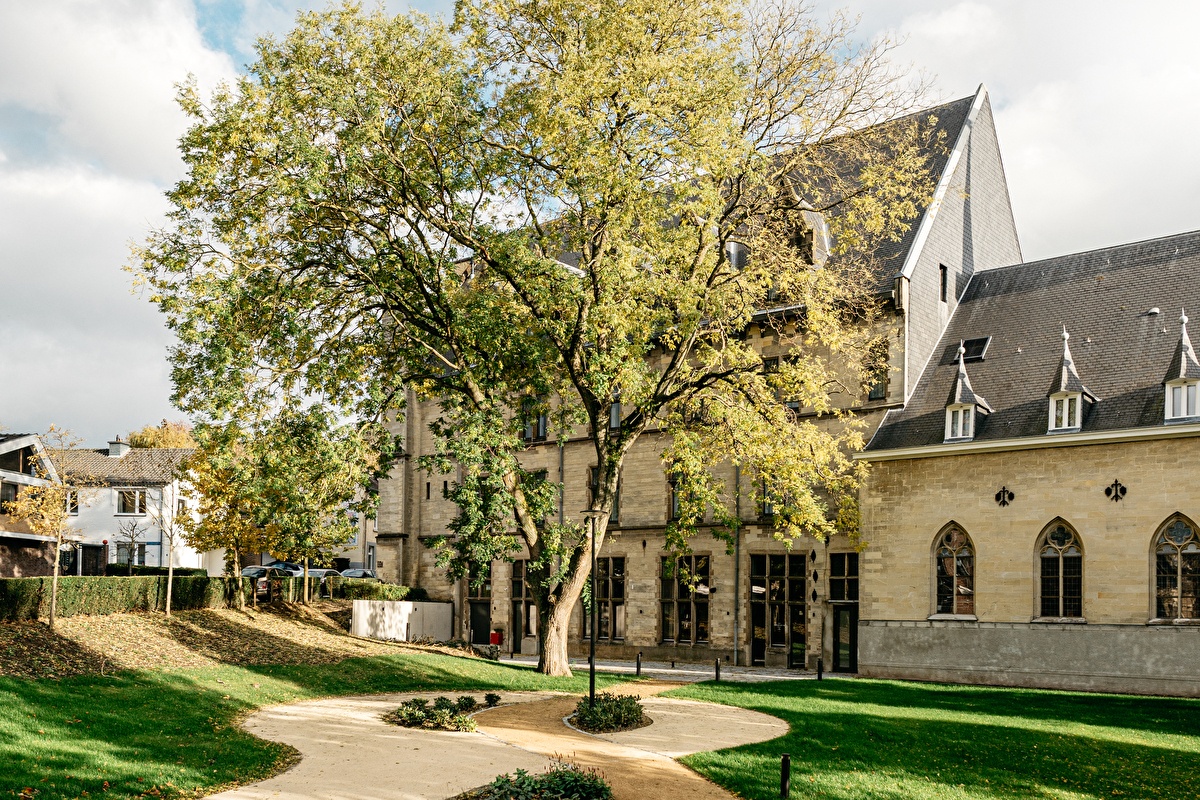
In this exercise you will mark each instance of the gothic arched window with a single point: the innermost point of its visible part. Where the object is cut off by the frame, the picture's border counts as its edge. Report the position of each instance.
(1177, 570)
(954, 561)
(1060, 558)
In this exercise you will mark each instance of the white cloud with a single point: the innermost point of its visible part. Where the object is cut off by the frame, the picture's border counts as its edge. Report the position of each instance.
(102, 76)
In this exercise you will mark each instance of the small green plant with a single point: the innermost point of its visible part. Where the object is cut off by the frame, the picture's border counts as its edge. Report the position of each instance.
(443, 703)
(491, 699)
(466, 704)
(416, 714)
(612, 712)
(562, 781)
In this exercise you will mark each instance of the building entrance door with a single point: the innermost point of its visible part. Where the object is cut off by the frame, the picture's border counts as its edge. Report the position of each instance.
(845, 638)
(481, 621)
(93, 560)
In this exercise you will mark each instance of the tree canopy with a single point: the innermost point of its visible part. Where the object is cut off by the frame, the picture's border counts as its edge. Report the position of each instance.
(539, 207)
(177, 434)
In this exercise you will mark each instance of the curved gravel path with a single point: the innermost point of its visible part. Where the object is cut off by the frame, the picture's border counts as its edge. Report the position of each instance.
(347, 751)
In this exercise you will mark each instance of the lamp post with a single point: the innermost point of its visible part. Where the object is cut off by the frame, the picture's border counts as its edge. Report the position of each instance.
(590, 515)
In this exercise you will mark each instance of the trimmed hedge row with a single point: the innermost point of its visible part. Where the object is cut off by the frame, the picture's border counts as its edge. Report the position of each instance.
(29, 598)
(115, 570)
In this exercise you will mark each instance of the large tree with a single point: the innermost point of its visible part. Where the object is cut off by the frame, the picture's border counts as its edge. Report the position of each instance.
(537, 209)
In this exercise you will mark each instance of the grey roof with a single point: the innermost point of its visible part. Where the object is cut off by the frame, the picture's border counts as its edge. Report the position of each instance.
(1066, 377)
(1104, 297)
(8, 437)
(140, 466)
(961, 392)
(950, 120)
(1183, 363)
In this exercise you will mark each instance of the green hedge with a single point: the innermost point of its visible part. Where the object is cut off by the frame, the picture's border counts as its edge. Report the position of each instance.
(122, 571)
(362, 589)
(29, 598)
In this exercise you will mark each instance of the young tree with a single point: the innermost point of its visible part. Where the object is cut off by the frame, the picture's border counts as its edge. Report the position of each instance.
(314, 472)
(46, 508)
(166, 434)
(171, 518)
(129, 533)
(224, 475)
(541, 209)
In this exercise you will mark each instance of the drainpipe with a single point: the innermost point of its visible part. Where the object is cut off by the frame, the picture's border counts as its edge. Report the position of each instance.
(737, 562)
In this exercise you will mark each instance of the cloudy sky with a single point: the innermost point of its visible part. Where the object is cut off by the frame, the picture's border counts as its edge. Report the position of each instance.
(1095, 108)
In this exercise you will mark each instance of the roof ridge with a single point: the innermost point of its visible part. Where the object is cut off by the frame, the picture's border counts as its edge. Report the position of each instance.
(1112, 247)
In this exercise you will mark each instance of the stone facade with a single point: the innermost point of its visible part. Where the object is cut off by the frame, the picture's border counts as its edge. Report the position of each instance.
(1115, 645)
(25, 558)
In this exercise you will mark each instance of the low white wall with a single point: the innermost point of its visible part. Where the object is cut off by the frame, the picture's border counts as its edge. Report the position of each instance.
(401, 620)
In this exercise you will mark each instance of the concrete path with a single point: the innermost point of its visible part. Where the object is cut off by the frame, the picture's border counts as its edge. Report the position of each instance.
(638, 764)
(347, 751)
(684, 671)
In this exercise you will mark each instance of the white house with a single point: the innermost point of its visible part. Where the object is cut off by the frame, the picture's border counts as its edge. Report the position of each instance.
(135, 488)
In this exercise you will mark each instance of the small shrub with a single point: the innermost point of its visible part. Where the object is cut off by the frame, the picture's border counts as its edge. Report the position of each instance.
(612, 712)
(443, 703)
(491, 699)
(466, 704)
(416, 714)
(562, 781)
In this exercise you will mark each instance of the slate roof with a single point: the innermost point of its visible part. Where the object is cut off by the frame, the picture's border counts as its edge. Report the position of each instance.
(1184, 363)
(950, 120)
(140, 466)
(961, 391)
(1103, 297)
(8, 437)
(1066, 377)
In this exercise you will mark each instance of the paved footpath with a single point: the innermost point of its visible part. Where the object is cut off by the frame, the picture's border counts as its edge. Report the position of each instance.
(347, 751)
(639, 763)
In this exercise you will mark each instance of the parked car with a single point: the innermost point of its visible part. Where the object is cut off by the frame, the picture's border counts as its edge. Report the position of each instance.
(287, 566)
(360, 573)
(262, 579)
(320, 580)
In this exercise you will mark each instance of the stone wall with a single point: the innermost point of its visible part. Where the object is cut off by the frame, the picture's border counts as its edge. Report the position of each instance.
(1142, 659)
(905, 503)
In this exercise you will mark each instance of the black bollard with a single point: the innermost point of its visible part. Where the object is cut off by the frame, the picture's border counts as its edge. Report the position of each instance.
(639, 662)
(785, 777)
(672, 665)
(820, 668)
(718, 670)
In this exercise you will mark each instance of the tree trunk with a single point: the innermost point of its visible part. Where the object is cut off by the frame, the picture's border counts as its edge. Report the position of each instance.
(170, 573)
(556, 620)
(306, 580)
(237, 575)
(54, 581)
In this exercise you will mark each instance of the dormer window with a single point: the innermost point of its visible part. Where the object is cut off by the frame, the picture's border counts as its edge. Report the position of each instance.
(959, 421)
(1064, 412)
(1181, 400)
(1067, 394)
(1182, 382)
(963, 407)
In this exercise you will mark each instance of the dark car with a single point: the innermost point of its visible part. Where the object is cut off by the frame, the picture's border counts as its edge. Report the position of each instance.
(262, 579)
(287, 566)
(360, 573)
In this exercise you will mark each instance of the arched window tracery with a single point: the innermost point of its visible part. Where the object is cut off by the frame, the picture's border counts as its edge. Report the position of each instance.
(954, 562)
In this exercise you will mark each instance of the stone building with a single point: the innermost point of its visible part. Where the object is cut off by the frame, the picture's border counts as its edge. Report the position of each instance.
(762, 603)
(1031, 512)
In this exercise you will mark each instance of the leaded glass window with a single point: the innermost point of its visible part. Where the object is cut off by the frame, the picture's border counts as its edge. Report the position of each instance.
(1177, 572)
(1061, 584)
(955, 560)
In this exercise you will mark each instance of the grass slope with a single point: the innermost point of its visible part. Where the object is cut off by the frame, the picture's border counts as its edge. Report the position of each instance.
(887, 740)
(174, 733)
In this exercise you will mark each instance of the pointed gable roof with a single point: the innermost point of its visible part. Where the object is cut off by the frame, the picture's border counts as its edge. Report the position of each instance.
(1067, 379)
(1183, 363)
(961, 392)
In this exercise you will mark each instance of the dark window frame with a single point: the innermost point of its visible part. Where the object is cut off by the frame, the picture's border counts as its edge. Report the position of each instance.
(1060, 572)
(954, 568)
(779, 582)
(610, 588)
(682, 604)
(1177, 570)
(843, 576)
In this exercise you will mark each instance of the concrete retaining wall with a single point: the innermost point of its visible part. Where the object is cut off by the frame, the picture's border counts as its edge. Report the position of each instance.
(1139, 659)
(401, 620)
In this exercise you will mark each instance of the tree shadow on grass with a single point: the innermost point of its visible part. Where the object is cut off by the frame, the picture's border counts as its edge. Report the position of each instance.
(32, 650)
(176, 731)
(839, 754)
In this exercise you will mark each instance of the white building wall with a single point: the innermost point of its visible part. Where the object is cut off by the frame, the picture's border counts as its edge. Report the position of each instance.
(98, 523)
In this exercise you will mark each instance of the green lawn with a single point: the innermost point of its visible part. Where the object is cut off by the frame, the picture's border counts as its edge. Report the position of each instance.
(886, 740)
(173, 733)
